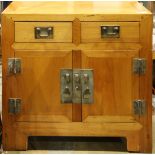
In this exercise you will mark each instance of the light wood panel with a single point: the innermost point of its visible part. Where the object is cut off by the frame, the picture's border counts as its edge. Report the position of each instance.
(78, 129)
(72, 7)
(109, 119)
(70, 46)
(91, 32)
(146, 82)
(39, 86)
(68, 11)
(115, 85)
(129, 130)
(76, 31)
(25, 31)
(71, 17)
(7, 84)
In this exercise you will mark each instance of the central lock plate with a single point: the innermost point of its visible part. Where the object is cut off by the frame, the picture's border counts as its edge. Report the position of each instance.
(77, 86)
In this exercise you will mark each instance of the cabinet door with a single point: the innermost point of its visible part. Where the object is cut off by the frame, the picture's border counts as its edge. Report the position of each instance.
(38, 86)
(115, 85)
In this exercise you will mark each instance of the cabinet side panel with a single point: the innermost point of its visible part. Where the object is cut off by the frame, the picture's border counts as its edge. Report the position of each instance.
(146, 82)
(7, 85)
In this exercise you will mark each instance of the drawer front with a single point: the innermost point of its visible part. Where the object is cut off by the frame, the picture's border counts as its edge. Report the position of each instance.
(110, 32)
(43, 31)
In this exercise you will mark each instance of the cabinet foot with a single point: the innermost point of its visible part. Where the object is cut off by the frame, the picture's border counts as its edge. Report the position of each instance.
(133, 143)
(21, 141)
(8, 141)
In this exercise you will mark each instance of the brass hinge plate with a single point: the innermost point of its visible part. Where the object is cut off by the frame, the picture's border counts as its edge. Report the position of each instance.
(139, 65)
(14, 105)
(139, 107)
(14, 66)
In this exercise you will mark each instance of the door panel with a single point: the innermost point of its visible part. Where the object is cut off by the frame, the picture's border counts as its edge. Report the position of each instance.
(38, 86)
(115, 86)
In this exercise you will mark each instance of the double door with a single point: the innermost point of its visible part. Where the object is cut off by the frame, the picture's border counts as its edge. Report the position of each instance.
(39, 86)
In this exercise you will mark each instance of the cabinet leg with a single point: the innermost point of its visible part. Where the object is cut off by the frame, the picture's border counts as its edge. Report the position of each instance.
(133, 143)
(146, 143)
(12, 141)
(8, 140)
(21, 141)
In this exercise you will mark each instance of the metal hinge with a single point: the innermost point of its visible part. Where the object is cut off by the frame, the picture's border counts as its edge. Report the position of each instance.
(14, 105)
(139, 107)
(139, 65)
(14, 65)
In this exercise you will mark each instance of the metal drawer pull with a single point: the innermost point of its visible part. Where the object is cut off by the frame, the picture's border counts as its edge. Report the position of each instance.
(110, 31)
(43, 32)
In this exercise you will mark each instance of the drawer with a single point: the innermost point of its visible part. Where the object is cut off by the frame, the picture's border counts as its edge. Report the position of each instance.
(110, 32)
(43, 31)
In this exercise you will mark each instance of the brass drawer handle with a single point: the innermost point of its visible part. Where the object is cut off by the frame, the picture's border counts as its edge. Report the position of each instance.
(43, 32)
(110, 31)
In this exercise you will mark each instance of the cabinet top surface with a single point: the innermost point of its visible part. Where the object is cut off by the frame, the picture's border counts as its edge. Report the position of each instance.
(70, 7)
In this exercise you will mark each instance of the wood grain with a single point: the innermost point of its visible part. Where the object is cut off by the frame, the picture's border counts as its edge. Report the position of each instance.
(68, 11)
(146, 83)
(70, 46)
(78, 129)
(7, 83)
(109, 119)
(76, 31)
(77, 107)
(39, 86)
(115, 85)
(91, 32)
(128, 130)
(76, 7)
(24, 31)
(21, 141)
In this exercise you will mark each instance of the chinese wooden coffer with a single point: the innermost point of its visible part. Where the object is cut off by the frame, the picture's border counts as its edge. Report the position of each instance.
(77, 69)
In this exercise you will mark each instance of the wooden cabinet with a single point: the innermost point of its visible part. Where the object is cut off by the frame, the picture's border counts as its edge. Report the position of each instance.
(77, 69)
